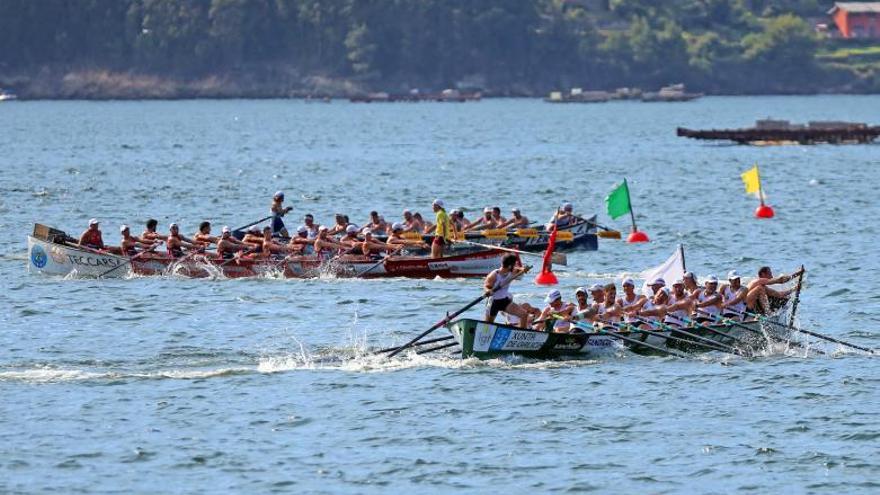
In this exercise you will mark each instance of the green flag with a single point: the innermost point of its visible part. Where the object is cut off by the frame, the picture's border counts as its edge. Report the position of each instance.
(618, 201)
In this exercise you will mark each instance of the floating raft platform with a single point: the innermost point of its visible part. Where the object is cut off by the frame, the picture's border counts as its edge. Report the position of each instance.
(783, 132)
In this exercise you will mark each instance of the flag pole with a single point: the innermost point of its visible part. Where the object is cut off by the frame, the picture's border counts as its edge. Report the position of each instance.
(681, 250)
(632, 215)
(760, 186)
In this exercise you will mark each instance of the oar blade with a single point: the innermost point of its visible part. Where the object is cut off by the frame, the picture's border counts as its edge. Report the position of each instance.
(609, 234)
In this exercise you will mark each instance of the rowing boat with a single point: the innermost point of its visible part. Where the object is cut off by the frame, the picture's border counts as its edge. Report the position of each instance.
(55, 254)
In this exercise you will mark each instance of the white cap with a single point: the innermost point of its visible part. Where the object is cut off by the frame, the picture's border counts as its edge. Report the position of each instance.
(351, 229)
(225, 229)
(689, 275)
(711, 279)
(596, 288)
(678, 281)
(664, 290)
(396, 226)
(567, 206)
(732, 275)
(629, 281)
(123, 228)
(302, 229)
(514, 210)
(487, 210)
(580, 290)
(553, 295)
(323, 228)
(94, 221)
(278, 194)
(658, 281)
(406, 212)
(172, 226)
(438, 202)
(456, 211)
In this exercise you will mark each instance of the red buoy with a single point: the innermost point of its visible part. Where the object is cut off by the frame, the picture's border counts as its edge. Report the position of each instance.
(546, 278)
(764, 211)
(637, 236)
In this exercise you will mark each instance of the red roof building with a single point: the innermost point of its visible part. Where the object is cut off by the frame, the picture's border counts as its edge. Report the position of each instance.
(857, 19)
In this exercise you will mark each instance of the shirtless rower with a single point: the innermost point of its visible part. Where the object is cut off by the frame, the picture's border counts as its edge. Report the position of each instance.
(679, 306)
(484, 222)
(129, 244)
(497, 288)
(369, 245)
(517, 221)
(311, 226)
(174, 242)
(278, 210)
(557, 311)
(228, 246)
(407, 221)
(91, 238)
(269, 246)
(350, 239)
(150, 235)
(377, 224)
(325, 246)
(395, 239)
(418, 223)
(708, 301)
(496, 215)
(254, 238)
(733, 296)
(339, 224)
(203, 237)
(760, 292)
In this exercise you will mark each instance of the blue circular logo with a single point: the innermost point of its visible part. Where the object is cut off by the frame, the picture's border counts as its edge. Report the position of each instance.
(38, 257)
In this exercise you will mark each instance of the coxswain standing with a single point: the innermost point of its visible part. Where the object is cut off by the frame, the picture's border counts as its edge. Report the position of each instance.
(278, 210)
(497, 288)
(443, 233)
(733, 296)
(92, 238)
(760, 291)
(175, 242)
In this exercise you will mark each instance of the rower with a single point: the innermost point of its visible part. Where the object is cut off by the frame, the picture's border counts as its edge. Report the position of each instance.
(269, 246)
(656, 284)
(340, 225)
(563, 217)
(228, 246)
(497, 288)
(203, 236)
(484, 222)
(300, 243)
(690, 283)
(407, 221)
(369, 245)
(517, 221)
(708, 300)
(679, 305)
(325, 246)
(254, 238)
(458, 220)
(654, 309)
(500, 221)
(310, 225)
(583, 310)
(733, 296)
(395, 239)
(597, 294)
(418, 223)
(377, 224)
(278, 210)
(443, 233)
(350, 239)
(175, 243)
(130, 243)
(558, 311)
(150, 235)
(612, 312)
(757, 299)
(91, 238)
(630, 302)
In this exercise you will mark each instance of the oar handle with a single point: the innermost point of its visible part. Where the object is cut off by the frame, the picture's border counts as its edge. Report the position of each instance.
(252, 223)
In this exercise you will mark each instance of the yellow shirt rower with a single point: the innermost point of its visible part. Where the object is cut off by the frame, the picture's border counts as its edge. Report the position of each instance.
(443, 231)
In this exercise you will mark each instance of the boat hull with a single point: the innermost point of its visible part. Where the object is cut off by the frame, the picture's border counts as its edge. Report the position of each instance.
(66, 260)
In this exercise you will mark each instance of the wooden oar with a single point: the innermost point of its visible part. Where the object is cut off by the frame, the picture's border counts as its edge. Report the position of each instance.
(698, 339)
(449, 317)
(557, 258)
(129, 260)
(608, 234)
(770, 339)
(631, 341)
(424, 342)
(373, 266)
(818, 335)
(252, 223)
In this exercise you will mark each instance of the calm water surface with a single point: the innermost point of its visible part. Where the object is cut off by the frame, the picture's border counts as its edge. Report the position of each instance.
(152, 385)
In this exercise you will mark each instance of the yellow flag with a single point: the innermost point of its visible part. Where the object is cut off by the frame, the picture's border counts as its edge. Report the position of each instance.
(752, 180)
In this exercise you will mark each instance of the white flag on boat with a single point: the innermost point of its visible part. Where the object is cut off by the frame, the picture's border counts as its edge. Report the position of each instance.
(670, 271)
